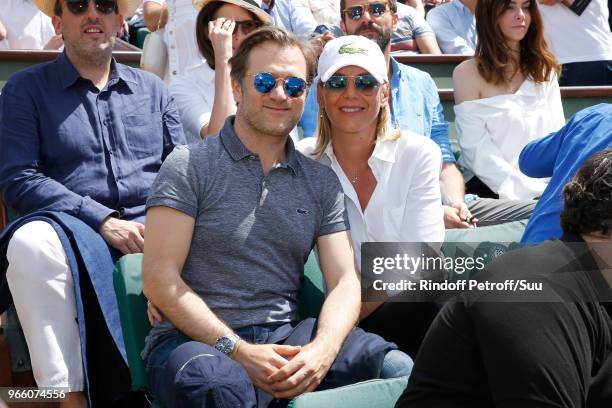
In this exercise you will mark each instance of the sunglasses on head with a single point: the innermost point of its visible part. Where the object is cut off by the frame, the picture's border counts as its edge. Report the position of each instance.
(375, 9)
(247, 26)
(102, 6)
(366, 84)
(265, 82)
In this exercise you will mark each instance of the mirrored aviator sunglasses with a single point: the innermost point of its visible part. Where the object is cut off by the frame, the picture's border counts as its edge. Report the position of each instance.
(265, 82)
(80, 6)
(366, 84)
(375, 9)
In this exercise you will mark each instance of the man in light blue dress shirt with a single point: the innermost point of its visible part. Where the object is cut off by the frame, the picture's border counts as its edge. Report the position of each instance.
(455, 26)
(292, 15)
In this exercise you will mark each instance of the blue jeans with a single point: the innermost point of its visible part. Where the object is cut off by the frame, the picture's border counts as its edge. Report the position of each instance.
(188, 373)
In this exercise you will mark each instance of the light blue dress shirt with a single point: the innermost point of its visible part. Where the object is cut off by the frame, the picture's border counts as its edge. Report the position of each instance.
(292, 17)
(455, 28)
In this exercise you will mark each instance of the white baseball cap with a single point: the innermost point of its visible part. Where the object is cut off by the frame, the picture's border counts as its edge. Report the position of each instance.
(352, 50)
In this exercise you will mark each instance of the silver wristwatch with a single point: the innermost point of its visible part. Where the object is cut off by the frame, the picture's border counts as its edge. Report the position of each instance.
(227, 343)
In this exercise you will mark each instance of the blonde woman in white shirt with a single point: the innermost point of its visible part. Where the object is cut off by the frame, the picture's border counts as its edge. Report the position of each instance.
(203, 93)
(506, 96)
(390, 178)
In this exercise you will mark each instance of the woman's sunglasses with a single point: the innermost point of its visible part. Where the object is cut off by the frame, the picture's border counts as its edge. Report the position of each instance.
(265, 82)
(247, 26)
(80, 6)
(375, 9)
(366, 84)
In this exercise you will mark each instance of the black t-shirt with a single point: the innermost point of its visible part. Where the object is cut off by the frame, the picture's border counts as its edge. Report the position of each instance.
(550, 348)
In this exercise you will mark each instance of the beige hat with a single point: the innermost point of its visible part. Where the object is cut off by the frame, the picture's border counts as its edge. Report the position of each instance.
(253, 6)
(126, 7)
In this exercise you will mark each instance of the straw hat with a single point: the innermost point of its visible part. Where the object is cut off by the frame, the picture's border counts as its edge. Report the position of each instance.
(126, 7)
(253, 6)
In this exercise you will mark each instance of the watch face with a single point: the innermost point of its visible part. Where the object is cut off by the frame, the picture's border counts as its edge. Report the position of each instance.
(225, 345)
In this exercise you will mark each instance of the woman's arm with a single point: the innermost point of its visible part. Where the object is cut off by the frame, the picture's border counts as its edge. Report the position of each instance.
(167, 244)
(155, 15)
(428, 45)
(220, 34)
(466, 81)
(422, 216)
(2, 31)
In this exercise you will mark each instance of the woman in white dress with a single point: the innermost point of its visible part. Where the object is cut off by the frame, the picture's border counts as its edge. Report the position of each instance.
(506, 96)
(203, 93)
(390, 178)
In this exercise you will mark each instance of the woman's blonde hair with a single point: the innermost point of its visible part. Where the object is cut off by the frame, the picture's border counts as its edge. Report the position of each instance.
(384, 130)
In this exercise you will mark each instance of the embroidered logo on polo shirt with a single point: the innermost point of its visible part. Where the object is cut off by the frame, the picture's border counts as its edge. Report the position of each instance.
(303, 211)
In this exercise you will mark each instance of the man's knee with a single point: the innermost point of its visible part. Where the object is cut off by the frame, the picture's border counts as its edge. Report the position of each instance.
(197, 375)
(396, 364)
(32, 248)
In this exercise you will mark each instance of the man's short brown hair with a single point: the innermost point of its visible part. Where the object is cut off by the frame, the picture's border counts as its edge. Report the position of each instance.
(239, 62)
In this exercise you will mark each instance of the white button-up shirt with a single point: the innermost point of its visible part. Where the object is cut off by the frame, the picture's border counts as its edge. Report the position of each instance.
(493, 131)
(406, 204)
(27, 27)
(194, 93)
(180, 37)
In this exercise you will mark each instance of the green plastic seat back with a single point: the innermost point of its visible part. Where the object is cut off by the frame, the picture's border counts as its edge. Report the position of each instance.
(127, 279)
(312, 292)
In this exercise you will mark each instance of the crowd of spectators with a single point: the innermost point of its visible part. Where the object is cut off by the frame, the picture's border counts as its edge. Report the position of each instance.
(582, 43)
(385, 167)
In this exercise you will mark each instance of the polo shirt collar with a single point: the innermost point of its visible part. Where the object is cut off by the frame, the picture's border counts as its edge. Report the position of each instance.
(238, 151)
(69, 74)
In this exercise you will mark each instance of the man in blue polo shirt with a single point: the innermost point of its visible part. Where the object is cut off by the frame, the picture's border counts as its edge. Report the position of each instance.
(415, 106)
(82, 136)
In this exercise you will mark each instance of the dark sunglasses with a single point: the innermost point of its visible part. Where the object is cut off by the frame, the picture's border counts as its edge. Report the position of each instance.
(375, 9)
(366, 84)
(247, 26)
(80, 6)
(265, 82)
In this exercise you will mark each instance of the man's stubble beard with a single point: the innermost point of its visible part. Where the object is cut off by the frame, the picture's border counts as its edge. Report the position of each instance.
(97, 56)
(255, 120)
(384, 36)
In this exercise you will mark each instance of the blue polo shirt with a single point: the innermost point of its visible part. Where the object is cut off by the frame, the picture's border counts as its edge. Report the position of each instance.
(415, 106)
(67, 146)
(559, 156)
